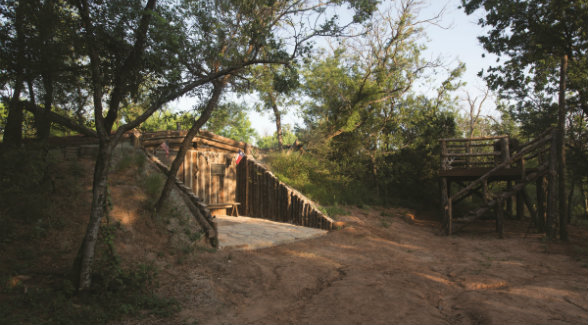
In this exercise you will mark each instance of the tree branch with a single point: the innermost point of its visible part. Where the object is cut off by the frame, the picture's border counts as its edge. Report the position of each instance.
(56, 118)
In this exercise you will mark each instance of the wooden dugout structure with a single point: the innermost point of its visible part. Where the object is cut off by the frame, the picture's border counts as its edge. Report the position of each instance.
(474, 163)
(209, 171)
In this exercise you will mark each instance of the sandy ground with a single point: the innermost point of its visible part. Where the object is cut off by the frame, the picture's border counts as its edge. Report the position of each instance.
(386, 268)
(254, 233)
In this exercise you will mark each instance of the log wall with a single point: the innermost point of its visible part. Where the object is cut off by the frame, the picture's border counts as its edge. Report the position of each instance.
(262, 195)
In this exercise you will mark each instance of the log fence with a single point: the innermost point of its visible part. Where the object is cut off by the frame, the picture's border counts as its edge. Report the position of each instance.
(263, 195)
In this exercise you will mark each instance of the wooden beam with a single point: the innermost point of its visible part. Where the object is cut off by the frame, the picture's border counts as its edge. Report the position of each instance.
(475, 139)
(215, 144)
(500, 217)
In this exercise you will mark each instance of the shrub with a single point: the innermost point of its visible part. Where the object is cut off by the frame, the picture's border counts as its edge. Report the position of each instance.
(152, 185)
(318, 179)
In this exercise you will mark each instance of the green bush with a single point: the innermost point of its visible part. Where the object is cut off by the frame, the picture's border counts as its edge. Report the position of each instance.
(25, 188)
(315, 178)
(131, 159)
(152, 185)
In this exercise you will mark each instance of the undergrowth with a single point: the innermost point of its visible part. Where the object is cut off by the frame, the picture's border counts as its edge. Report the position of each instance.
(32, 193)
(59, 303)
(317, 179)
(130, 159)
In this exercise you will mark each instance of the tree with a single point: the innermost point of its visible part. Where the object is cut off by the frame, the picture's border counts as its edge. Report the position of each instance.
(473, 123)
(271, 141)
(38, 59)
(545, 44)
(252, 38)
(275, 85)
(361, 99)
(230, 120)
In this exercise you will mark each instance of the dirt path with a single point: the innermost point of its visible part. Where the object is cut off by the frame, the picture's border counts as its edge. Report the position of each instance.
(383, 269)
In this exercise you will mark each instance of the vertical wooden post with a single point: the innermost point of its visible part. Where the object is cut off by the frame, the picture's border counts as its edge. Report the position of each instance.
(247, 186)
(520, 205)
(500, 216)
(529, 205)
(450, 213)
(468, 151)
(540, 220)
(506, 150)
(509, 199)
(443, 154)
(445, 203)
(485, 191)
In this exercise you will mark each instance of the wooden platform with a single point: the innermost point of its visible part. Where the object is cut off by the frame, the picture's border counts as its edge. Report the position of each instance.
(473, 163)
(466, 174)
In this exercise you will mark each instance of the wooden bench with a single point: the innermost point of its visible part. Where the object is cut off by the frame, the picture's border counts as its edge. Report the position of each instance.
(234, 206)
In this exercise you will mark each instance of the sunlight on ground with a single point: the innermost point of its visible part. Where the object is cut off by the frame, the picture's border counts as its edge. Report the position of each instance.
(435, 278)
(396, 244)
(311, 256)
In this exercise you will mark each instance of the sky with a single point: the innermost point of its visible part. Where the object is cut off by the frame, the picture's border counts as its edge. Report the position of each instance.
(454, 39)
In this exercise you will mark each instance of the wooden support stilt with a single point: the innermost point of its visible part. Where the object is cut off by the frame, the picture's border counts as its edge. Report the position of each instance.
(529, 205)
(520, 205)
(540, 220)
(445, 203)
(485, 191)
(500, 217)
(450, 213)
(509, 200)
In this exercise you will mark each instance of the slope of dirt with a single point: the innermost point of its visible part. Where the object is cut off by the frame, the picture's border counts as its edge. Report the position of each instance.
(386, 266)
(39, 254)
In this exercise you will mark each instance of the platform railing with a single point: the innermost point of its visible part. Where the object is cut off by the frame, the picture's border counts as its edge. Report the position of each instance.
(473, 152)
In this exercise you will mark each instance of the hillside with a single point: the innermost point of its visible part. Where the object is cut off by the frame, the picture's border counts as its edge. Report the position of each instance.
(41, 237)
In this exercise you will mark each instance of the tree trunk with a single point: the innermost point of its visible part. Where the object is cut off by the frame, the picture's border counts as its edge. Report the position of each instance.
(375, 174)
(13, 131)
(584, 200)
(278, 117)
(563, 233)
(570, 200)
(175, 166)
(42, 120)
(84, 260)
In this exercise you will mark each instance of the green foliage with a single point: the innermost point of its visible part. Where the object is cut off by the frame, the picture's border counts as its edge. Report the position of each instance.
(334, 211)
(152, 185)
(318, 179)
(131, 159)
(271, 141)
(161, 120)
(528, 70)
(58, 304)
(25, 187)
(231, 120)
(364, 123)
(3, 118)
